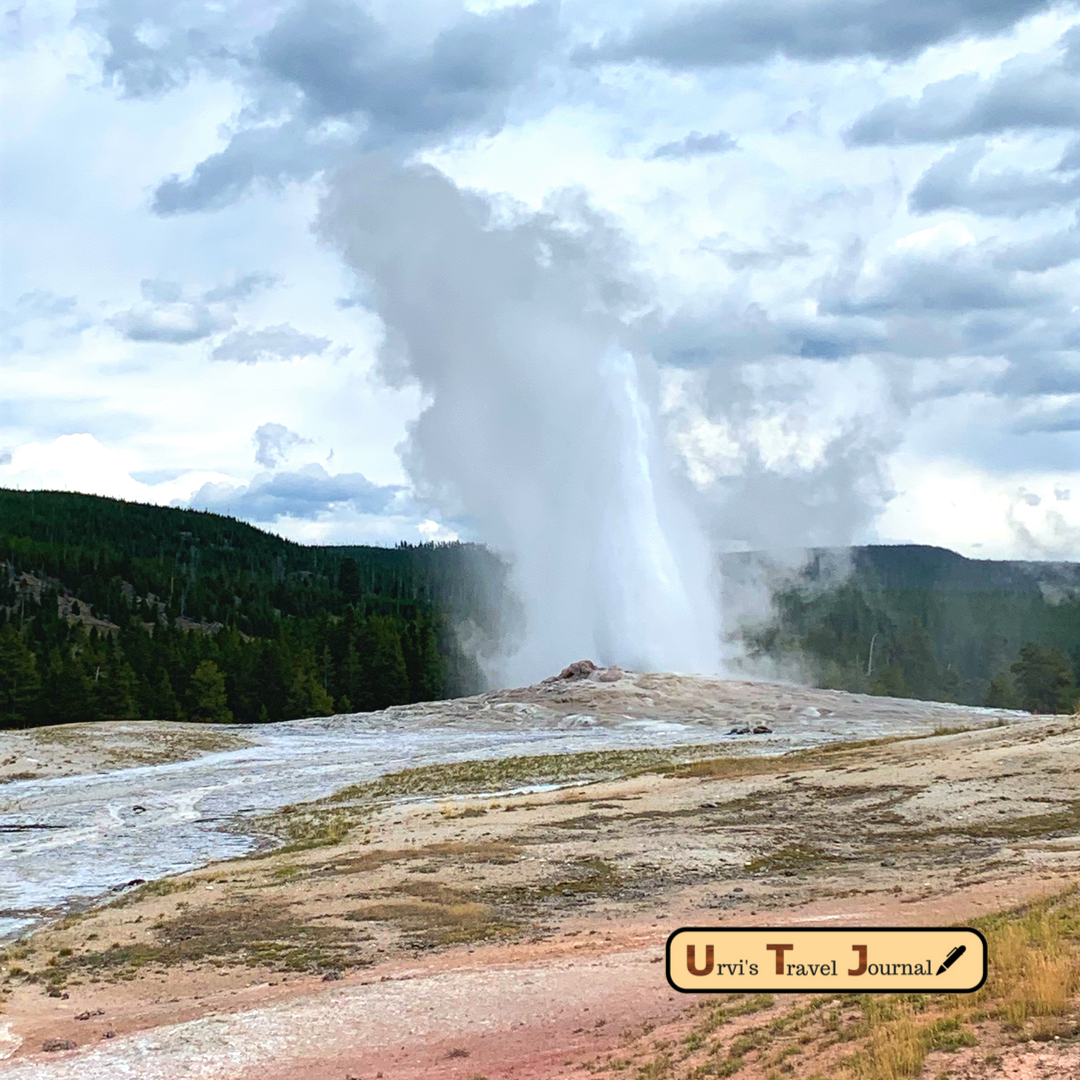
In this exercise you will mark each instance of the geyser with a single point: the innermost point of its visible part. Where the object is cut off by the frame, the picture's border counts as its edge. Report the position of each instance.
(540, 420)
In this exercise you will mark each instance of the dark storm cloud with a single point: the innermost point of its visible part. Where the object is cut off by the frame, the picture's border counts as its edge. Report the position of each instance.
(331, 60)
(271, 343)
(752, 31)
(696, 145)
(273, 442)
(1023, 94)
(951, 182)
(306, 493)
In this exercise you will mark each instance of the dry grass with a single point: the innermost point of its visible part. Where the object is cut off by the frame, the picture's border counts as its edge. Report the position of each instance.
(1030, 994)
(242, 933)
(441, 917)
(1034, 974)
(1036, 964)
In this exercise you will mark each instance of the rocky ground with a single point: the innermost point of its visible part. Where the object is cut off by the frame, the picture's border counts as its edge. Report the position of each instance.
(420, 926)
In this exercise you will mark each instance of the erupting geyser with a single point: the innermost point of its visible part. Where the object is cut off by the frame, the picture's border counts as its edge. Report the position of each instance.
(540, 422)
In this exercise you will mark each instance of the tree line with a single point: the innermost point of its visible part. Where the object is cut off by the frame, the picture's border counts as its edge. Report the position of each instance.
(115, 610)
(924, 623)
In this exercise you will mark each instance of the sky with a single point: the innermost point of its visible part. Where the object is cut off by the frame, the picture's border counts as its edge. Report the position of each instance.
(844, 234)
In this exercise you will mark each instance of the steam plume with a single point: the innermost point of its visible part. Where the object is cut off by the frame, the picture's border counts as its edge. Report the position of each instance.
(540, 419)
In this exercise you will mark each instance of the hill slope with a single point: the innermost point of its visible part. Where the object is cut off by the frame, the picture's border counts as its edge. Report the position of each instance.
(941, 626)
(116, 610)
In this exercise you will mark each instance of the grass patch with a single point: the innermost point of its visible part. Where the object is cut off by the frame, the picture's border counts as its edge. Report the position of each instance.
(497, 775)
(1029, 825)
(326, 822)
(161, 887)
(438, 916)
(1034, 976)
(266, 935)
(1030, 994)
(789, 859)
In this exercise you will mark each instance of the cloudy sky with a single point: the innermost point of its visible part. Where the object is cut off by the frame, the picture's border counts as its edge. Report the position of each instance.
(846, 232)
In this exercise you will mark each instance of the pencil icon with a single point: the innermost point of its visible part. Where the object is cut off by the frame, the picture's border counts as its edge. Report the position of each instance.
(952, 958)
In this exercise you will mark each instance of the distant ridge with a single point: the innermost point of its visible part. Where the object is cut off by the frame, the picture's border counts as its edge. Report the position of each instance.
(924, 566)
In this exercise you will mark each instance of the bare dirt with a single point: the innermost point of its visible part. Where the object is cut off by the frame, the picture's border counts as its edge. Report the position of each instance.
(466, 936)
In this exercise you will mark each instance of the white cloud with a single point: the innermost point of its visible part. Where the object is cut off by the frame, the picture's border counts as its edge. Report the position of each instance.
(80, 463)
(435, 531)
(821, 315)
(944, 236)
(988, 517)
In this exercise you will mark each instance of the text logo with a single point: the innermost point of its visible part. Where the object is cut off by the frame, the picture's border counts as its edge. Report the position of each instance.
(702, 959)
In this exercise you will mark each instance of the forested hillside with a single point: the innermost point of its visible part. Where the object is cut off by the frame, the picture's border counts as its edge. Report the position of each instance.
(114, 610)
(117, 610)
(924, 622)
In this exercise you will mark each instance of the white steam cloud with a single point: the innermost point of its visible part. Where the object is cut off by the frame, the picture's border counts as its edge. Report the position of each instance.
(540, 423)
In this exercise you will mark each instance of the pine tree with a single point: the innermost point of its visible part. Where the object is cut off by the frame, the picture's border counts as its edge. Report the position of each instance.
(385, 679)
(117, 689)
(1044, 679)
(889, 682)
(160, 701)
(350, 677)
(306, 694)
(207, 699)
(1000, 694)
(349, 580)
(427, 670)
(20, 683)
(68, 695)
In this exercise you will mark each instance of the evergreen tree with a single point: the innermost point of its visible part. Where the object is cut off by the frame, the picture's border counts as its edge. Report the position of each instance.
(349, 580)
(20, 683)
(68, 695)
(889, 682)
(306, 694)
(350, 678)
(207, 699)
(159, 699)
(1000, 694)
(426, 667)
(117, 689)
(913, 653)
(384, 678)
(1044, 679)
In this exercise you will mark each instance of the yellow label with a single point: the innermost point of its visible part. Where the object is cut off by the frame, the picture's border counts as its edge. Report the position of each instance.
(883, 960)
